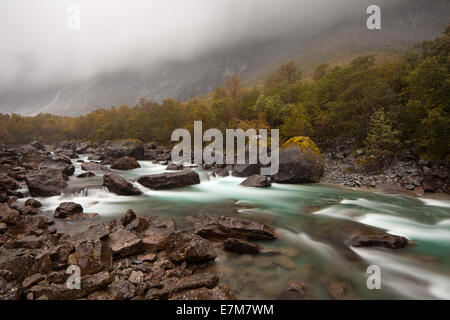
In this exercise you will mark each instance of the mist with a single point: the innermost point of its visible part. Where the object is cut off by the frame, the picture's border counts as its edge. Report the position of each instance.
(38, 49)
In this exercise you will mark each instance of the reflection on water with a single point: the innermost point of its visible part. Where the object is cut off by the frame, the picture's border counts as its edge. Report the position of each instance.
(310, 221)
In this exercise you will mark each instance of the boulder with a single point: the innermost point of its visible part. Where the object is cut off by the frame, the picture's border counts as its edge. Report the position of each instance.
(119, 185)
(86, 175)
(93, 166)
(8, 215)
(32, 160)
(300, 162)
(170, 180)
(61, 163)
(8, 184)
(124, 243)
(240, 246)
(33, 203)
(223, 227)
(375, 238)
(257, 181)
(125, 163)
(128, 217)
(45, 182)
(92, 257)
(67, 209)
(139, 224)
(89, 283)
(175, 166)
(184, 246)
(32, 280)
(23, 263)
(246, 170)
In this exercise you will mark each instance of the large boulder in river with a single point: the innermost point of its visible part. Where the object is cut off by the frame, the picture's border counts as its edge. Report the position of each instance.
(62, 163)
(300, 162)
(375, 238)
(93, 166)
(256, 181)
(125, 163)
(223, 227)
(45, 182)
(119, 185)
(67, 209)
(184, 246)
(170, 180)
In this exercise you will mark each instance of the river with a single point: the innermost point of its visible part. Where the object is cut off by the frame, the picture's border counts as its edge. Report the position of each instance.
(309, 221)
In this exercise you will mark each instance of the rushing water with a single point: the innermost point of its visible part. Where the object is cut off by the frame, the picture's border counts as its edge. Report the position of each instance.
(310, 221)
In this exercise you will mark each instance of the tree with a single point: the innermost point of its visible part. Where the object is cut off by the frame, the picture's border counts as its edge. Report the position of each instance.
(381, 141)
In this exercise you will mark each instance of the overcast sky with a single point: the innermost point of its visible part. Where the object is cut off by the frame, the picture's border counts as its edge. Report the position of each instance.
(38, 48)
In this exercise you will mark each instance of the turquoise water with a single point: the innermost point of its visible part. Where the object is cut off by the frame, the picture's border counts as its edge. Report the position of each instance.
(311, 222)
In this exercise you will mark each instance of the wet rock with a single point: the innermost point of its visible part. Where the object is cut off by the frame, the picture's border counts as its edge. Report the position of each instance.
(86, 175)
(45, 182)
(174, 166)
(223, 227)
(119, 186)
(93, 166)
(257, 181)
(124, 243)
(240, 246)
(58, 277)
(67, 209)
(24, 262)
(8, 184)
(139, 224)
(121, 290)
(29, 242)
(92, 233)
(89, 284)
(300, 162)
(59, 163)
(92, 257)
(246, 170)
(183, 246)
(33, 203)
(9, 290)
(136, 277)
(8, 215)
(3, 227)
(128, 217)
(32, 160)
(170, 180)
(154, 241)
(375, 238)
(32, 280)
(207, 280)
(125, 163)
(296, 291)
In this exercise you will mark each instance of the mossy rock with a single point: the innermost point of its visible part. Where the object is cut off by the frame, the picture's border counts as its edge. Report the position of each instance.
(305, 144)
(300, 162)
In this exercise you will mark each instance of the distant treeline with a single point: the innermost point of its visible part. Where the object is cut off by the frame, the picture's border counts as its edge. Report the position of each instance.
(402, 104)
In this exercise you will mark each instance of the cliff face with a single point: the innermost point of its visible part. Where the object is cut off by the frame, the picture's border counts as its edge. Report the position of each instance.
(409, 22)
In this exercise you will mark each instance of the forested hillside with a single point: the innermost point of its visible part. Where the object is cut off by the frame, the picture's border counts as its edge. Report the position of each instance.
(400, 104)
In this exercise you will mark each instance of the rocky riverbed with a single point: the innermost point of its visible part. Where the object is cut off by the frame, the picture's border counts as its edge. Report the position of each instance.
(143, 256)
